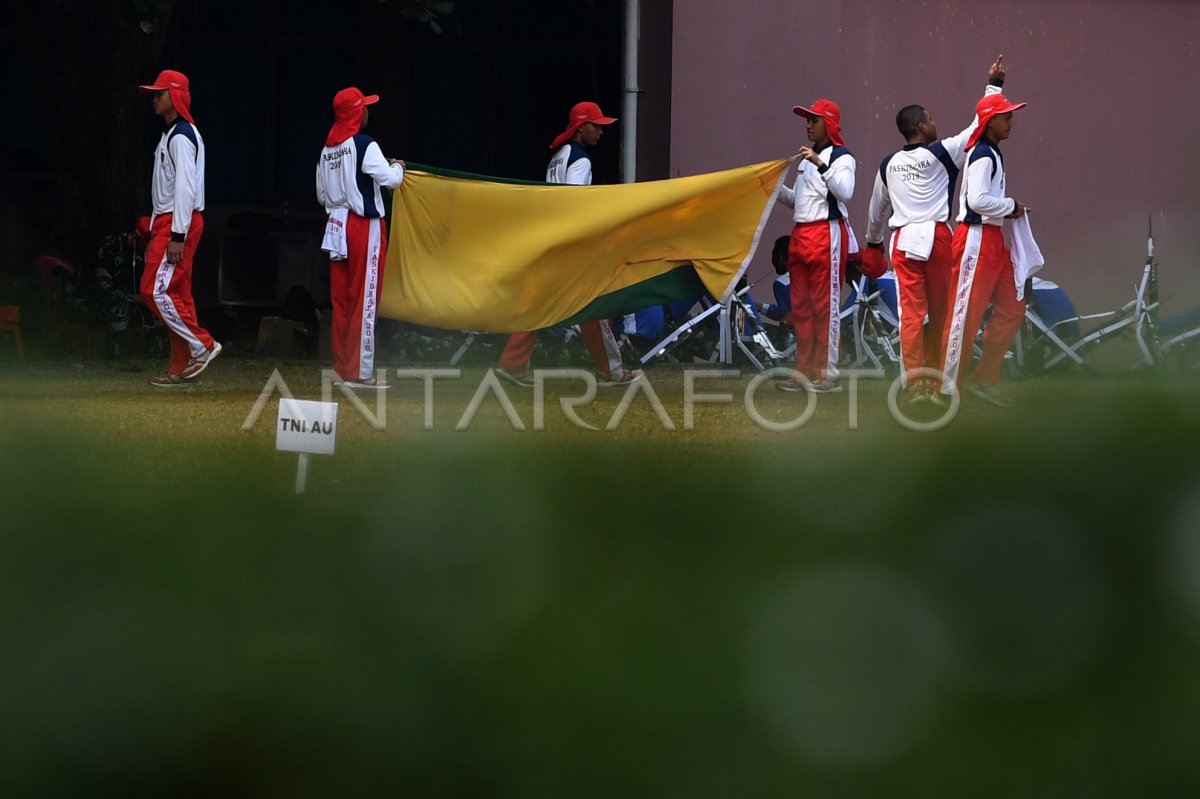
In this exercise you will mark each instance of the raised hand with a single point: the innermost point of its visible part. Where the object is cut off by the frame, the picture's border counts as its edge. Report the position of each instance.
(996, 71)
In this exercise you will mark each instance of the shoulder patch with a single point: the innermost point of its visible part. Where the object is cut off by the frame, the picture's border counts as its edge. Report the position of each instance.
(184, 128)
(981, 151)
(939, 152)
(578, 153)
(837, 153)
(883, 168)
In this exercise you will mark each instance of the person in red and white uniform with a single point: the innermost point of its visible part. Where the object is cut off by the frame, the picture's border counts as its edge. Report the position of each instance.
(911, 201)
(350, 172)
(570, 164)
(982, 271)
(821, 240)
(177, 192)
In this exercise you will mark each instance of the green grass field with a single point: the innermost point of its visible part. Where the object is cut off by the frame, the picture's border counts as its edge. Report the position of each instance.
(1006, 607)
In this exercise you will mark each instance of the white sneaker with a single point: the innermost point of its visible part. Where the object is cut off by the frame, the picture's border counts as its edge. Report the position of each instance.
(826, 386)
(374, 382)
(622, 378)
(989, 392)
(197, 365)
(516, 378)
(172, 381)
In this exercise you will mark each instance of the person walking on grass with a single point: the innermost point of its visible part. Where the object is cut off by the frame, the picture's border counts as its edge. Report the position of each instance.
(350, 172)
(177, 191)
(910, 205)
(983, 272)
(820, 242)
(571, 164)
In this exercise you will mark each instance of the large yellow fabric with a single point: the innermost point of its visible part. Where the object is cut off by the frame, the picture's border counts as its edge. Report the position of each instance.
(478, 255)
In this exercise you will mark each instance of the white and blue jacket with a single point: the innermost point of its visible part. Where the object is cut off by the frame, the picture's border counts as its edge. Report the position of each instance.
(350, 174)
(177, 187)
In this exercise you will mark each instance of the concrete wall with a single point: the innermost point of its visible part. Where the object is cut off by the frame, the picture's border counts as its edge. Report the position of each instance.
(1104, 143)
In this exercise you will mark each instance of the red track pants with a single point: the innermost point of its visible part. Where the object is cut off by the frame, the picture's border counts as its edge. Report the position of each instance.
(354, 286)
(816, 254)
(923, 287)
(167, 289)
(982, 275)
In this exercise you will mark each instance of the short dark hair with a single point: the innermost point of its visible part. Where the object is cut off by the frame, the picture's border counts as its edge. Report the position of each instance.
(781, 246)
(908, 118)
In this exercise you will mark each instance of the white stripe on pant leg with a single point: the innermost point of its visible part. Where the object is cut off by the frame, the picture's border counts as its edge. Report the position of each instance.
(958, 312)
(166, 308)
(615, 364)
(370, 301)
(899, 308)
(835, 300)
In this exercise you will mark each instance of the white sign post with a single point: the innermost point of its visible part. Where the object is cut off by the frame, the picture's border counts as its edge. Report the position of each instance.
(306, 427)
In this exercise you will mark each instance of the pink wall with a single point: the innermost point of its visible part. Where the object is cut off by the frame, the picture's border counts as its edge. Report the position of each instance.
(1113, 88)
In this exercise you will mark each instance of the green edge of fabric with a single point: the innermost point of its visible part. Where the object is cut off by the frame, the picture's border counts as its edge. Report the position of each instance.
(678, 284)
(454, 173)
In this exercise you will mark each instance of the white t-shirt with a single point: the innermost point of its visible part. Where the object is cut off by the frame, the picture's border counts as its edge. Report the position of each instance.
(570, 164)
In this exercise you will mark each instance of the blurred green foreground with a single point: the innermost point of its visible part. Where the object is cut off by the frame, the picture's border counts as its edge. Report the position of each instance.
(1009, 607)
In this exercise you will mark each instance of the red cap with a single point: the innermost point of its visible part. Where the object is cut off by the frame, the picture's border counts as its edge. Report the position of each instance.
(177, 84)
(348, 108)
(580, 113)
(990, 106)
(828, 111)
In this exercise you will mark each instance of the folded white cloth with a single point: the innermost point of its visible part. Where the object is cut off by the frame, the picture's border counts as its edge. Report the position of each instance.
(916, 240)
(334, 241)
(1026, 256)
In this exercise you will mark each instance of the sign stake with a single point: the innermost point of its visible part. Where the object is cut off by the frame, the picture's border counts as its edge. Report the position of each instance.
(302, 473)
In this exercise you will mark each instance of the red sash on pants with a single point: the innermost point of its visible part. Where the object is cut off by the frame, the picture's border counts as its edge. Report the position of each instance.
(923, 287)
(982, 274)
(815, 257)
(354, 286)
(167, 289)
